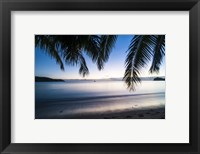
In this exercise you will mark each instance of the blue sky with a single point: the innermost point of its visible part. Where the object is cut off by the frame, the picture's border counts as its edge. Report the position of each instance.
(114, 68)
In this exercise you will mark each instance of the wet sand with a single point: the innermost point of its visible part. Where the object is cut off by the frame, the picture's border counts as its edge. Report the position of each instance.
(146, 106)
(154, 113)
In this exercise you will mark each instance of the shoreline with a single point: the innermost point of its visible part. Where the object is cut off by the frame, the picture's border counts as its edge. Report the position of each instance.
(152, 113)
(151, 106)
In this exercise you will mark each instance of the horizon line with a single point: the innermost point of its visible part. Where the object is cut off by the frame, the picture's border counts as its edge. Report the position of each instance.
(98, 78)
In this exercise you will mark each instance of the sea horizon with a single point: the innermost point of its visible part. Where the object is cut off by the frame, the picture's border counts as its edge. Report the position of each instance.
(98, 79)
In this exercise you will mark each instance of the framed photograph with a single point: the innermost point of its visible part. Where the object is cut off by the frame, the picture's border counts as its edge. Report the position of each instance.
(101, 92)
(99, 76)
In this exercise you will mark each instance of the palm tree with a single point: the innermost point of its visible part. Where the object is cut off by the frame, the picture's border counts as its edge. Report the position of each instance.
(70, 48)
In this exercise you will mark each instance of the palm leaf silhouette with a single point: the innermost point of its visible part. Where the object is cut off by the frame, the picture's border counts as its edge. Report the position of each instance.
(47, 43)
(107, 42)
(70, 48)
(141, 50)
(159, 53)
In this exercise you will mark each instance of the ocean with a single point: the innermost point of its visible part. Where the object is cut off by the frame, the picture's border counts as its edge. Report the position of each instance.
(76, 98)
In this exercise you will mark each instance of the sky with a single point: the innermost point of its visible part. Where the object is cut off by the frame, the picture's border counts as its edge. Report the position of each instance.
(114, 68)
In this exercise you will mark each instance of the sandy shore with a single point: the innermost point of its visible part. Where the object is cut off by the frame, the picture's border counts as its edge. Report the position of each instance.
(158, 113)
(149, 106)
(152, 113)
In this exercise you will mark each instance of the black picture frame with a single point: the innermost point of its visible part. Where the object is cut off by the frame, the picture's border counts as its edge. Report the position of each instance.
(6, 6)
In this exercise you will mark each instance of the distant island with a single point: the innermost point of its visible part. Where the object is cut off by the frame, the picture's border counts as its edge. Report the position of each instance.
(159, 79)
(46, 79)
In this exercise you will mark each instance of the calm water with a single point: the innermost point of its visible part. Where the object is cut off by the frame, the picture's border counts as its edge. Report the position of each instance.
(57, 98)
(56, 91)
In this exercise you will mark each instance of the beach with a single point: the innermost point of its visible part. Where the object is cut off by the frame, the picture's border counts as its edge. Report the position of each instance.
(153, 113)
(135, 106)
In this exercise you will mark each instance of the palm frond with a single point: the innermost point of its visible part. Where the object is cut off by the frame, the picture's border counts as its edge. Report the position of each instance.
(91, 47)
(47, 43)
(71, 47)
(83, 70)
(106, 45)
(159, 53)
(139, 54)
(71, 50)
